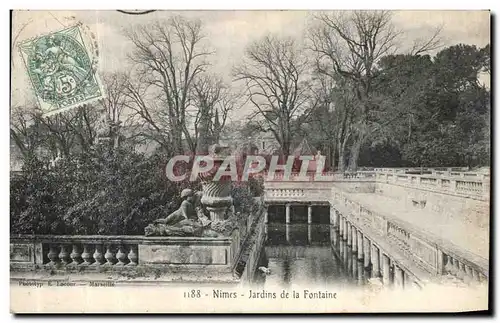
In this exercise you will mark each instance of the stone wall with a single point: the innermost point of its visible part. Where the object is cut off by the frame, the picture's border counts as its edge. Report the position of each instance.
(456, 208)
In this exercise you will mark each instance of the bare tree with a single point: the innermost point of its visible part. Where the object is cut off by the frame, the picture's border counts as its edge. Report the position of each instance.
(349, 45)
(68, 132)
(332, 119)
(212, 102)
(274, 72)
(170, 57)
(23, 131)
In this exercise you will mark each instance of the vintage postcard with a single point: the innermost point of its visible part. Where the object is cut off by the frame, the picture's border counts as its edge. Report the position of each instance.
(250, 161)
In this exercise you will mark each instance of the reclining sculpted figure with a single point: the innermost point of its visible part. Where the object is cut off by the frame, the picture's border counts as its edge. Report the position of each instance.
(187, 220)
(185, 212)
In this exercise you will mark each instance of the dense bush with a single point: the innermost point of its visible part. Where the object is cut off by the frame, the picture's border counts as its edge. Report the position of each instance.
(96, 192)
(103, 192)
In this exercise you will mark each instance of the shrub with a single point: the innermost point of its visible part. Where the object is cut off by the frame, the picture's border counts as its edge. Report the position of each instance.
(96, 192)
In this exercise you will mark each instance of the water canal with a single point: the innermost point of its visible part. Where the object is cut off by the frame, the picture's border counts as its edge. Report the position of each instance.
(301, 254)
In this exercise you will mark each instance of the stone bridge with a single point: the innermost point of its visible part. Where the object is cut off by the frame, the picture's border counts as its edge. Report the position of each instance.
(410, 227)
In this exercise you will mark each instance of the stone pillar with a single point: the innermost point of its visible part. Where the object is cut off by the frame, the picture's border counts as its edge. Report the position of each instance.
(345, 261)
(341, 227)
(360, 246)
(333, 237)
(349, 234)
(287, 213)
(341, 249)
(287, 232)
(309, 234)
(334, 220)
(354, 239)
(354, 267)
(398, 277)
(346, 229)
(266, 215)
(367, 252)
(375, 261)
(386, 270)
(309, 214)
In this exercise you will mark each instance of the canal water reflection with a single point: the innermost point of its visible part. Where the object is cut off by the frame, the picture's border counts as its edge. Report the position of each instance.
(311, 255)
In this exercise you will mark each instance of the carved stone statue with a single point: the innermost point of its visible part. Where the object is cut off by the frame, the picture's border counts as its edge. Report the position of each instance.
(187, 220)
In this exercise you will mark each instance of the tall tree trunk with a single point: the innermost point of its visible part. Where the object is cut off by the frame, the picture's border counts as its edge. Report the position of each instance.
(354, 156)
(356, 147)
(341, 150)
(333, 150)
(203, 140)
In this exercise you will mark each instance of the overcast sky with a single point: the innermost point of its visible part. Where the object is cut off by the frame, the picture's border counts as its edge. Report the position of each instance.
(228, 32)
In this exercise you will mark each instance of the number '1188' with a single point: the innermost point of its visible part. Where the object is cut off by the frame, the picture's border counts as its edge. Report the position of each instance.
(193, 293)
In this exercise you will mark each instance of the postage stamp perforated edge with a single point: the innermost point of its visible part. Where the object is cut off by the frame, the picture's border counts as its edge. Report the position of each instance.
(47, 108)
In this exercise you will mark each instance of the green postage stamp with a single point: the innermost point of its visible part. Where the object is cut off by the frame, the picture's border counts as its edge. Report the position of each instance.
(62, 70)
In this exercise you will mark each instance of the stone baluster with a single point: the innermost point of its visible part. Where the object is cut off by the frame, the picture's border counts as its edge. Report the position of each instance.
(64, 255)
(75, 255)
(52, 256)
(98, 256)
(453, 185)
(86, 255)
(121, 256)
(109, 256)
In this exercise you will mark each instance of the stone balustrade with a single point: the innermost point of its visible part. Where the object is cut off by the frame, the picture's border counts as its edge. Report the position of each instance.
(473, 187)
(326, 176)
(477, 187)
(95, 252)
(403, 253)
